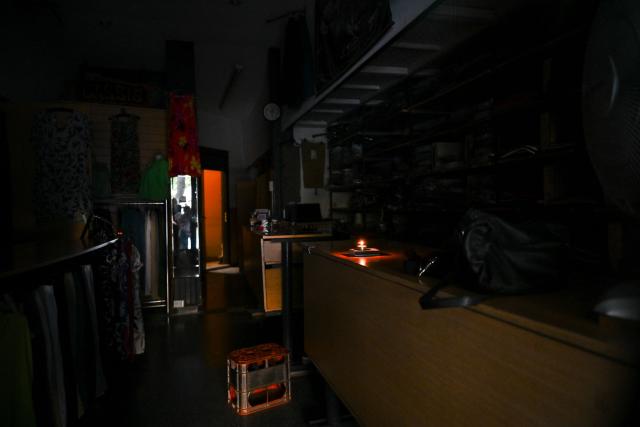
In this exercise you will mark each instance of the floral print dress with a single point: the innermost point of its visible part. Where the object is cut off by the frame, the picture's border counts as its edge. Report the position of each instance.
(125, 154)
(62, 153)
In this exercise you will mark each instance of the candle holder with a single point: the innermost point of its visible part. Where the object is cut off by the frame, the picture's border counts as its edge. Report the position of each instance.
(362, 250)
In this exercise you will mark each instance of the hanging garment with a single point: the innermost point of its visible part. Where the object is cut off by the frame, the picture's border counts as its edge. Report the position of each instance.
(61, 188)
(155, 181)
(54, 395)
(132, 222)
(125, 154)
(134, 292)
(99, 385)
(153, 261)
(16, 372)
(147, 254)
(184, 155)
(68, 327)
(119, 297)
(84, 378)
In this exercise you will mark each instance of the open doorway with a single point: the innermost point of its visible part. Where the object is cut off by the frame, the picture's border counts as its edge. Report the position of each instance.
(214, 216)
(214, 208)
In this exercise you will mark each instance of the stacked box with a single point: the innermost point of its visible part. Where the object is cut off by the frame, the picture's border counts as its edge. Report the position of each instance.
(258, 378)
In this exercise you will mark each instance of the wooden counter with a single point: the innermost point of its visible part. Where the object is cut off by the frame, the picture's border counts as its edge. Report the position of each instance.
(526, 360)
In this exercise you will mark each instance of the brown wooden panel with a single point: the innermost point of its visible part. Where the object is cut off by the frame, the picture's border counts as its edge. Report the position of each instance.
(273, 289)
(395, 364)
(252, 262)
(272, 251)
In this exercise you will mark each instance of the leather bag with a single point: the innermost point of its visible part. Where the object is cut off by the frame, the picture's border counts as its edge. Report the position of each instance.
(490, 256)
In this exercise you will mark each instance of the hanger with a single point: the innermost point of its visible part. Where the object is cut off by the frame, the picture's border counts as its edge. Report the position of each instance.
(114, 232)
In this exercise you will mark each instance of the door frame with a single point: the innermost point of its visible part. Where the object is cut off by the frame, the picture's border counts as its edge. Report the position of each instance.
(218, 160)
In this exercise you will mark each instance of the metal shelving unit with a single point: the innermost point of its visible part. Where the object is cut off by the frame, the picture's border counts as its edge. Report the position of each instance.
(449, 77)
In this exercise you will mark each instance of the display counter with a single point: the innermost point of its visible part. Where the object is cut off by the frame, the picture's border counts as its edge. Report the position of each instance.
(262, 264)
(542, 359)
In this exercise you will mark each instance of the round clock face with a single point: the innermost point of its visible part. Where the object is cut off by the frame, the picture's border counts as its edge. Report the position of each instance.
(271, 111)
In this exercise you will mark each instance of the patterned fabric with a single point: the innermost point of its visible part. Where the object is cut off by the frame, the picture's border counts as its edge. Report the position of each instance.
(184, 156)
(120, 306)
(62, 181)
(125, 154)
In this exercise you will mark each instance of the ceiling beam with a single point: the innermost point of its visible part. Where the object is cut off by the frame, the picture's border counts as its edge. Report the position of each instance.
(427, 72)
(312, 123)
(342, 101)
(386, 70)
(474, 13)
(327, 111)
(426, 47)
(355, 86)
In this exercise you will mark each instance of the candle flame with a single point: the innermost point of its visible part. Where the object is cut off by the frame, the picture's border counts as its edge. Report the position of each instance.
(361, 245)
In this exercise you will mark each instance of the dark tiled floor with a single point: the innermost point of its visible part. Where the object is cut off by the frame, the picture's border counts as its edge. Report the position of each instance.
(181, 379)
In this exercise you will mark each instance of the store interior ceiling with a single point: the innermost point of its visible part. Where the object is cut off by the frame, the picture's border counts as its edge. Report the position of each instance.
(131, 35)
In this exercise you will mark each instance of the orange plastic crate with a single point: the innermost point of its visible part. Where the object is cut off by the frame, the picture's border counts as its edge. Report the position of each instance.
(258, 378)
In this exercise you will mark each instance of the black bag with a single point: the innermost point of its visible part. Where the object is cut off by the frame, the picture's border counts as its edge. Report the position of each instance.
(491, 256)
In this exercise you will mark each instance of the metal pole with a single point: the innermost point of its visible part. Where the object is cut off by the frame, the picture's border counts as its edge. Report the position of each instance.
(276, 207)
(287, 280)
(167, 253)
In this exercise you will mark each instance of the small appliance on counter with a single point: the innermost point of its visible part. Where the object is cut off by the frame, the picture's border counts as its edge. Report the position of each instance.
(260, 220)
(306, 218)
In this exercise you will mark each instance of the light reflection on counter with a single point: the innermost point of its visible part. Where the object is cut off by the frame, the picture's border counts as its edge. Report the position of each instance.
(365, 261)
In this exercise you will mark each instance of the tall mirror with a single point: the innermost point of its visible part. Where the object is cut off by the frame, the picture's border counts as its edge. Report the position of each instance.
(187, 294)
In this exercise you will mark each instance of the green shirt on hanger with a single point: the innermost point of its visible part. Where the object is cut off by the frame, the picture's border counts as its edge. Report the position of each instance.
(155, 181)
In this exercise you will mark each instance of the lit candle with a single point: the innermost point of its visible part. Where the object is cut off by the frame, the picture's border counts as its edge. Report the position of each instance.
(361, 245)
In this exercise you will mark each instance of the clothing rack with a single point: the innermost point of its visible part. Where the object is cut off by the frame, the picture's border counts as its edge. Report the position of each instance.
(167, 230)
(50, 294)
(35, 257)
(107, 202)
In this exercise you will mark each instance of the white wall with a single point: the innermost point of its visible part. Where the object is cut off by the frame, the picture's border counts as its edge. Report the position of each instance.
(239, 126)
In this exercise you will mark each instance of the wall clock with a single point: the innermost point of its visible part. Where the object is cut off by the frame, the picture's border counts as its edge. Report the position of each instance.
(271, 111)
